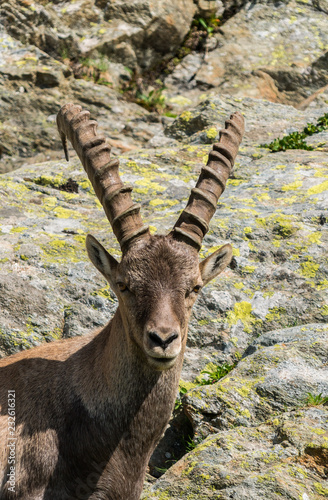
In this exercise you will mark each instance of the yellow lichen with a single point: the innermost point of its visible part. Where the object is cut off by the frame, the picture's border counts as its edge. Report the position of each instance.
(18, 229)
(243, 391)
(157, 201)
(211, 133)
(263, 197)
(324, 310)
(103, 292)
(235, 182)
(242, 312)
(309, 269)
(321, 489)
(293, 186)
(185, 116)
(319, 188)
(315, 237)
(64, 213)
(249, 269)
(185, 386)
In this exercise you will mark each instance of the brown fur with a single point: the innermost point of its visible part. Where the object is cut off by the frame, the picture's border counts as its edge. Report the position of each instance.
(90, 410)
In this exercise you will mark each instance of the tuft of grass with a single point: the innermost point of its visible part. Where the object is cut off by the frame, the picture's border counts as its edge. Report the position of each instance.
(316, 399)
(153, 100)
(178, 402)
(95, 70)
(215, 373)
(296, 140)
(209, 25)
(192, 443)
(211, 374)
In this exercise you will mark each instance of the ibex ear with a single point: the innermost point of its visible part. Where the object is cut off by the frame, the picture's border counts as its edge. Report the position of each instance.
(215, 263)
(101, 259)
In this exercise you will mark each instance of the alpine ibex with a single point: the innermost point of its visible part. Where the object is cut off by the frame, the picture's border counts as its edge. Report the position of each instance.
(89, 411)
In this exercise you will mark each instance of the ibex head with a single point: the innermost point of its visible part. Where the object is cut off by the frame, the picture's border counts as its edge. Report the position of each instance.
(159, 277)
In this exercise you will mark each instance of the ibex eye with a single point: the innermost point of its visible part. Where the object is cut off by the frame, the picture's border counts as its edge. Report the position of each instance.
(122, 287)
(196, 288)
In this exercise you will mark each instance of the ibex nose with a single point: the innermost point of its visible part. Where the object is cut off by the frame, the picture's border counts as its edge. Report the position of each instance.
(159, 341)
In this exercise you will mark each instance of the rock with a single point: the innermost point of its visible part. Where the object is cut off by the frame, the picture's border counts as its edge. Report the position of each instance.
(184, 73)
(282, 61)
(34, 86)
(115, 42)
(208, 8)
(211, 72)
(164, 25)
(222, 301)
(267, 439)
(32, 23)
(136, 35)
(285, 457)
(200, 125)
(276, 376)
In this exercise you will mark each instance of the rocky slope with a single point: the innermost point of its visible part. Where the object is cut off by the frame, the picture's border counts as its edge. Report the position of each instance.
(194, 48)
(261, 431)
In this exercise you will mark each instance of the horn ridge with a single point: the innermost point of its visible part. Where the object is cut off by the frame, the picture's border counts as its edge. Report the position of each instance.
(75, 124)
(192, 224)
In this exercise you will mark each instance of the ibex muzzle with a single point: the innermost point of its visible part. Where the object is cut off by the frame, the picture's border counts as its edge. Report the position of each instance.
(163, 333)
(90, 410)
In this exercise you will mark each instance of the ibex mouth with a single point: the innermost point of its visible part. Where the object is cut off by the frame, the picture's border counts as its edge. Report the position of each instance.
(161, 363)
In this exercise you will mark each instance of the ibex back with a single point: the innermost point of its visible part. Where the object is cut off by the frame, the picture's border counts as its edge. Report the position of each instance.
(90, 410)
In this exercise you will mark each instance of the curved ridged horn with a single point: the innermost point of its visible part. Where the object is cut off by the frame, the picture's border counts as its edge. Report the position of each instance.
(193, 222)
(94, 153)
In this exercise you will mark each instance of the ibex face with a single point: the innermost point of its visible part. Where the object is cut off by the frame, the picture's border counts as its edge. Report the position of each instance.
(157, 284)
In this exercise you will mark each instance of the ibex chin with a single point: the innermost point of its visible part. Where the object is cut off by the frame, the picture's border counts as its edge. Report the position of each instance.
(89, 411)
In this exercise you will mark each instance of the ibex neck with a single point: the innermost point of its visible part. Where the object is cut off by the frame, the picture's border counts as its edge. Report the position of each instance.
(131, 404)
(120, 379)
(130, 377)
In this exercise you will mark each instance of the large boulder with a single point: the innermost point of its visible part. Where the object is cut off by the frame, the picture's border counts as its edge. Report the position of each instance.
(135, 34)
(269, 438)
(268, 50)
(162, 26)
(33, 87)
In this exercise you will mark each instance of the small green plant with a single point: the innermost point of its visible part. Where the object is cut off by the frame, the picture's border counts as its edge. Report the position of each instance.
(316, 399)
(203, 23)
(169, 114)
(93, 69)
(296, 140)
(178, 402)
(161, 470)
(209, 25)
(191, 444)
(214, 373)
(64, 53)
(99, 64)
(153, 100)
